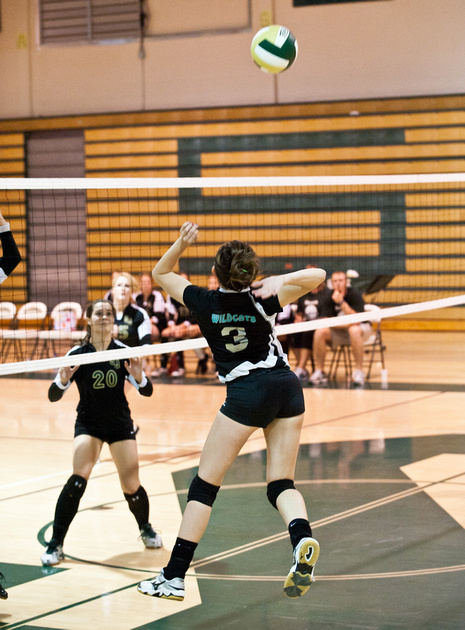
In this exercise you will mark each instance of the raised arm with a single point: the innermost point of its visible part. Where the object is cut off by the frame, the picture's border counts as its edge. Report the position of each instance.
(289, 286)
(163, 273)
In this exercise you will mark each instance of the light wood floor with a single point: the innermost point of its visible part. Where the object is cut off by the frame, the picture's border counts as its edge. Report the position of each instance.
(360, 449)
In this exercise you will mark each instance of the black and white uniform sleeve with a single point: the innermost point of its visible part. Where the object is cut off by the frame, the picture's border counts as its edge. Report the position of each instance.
(11, 256)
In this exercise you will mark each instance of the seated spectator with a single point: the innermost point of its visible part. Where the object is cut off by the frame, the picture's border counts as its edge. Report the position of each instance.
(342, 300)
(153, 302)
(308, 309)
(132, 324)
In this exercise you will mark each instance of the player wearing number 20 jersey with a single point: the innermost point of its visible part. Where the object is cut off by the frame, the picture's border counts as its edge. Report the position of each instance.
(103, 410)
(239, 329)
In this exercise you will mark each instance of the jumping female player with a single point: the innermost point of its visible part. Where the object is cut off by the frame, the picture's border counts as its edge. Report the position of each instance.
(103, 415)
(262, 392)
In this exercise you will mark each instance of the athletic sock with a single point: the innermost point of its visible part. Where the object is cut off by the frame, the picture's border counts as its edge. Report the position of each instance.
(139, 505)
(299, 528)
(67, 506)
(181, 557)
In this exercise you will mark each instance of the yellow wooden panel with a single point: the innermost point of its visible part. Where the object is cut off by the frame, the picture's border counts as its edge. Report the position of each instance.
(12, 195)
(11, 139)
(131, 146)
(440, 264)
(11, 153)
(12, 167)
(420, 325)
(12, 294)
(276, 219)
(436, 232)
(145, 173)
(431, 248)
(153, 252)
(425, 189)
(129, 194)
(132, 208)
(410, 297)
(428, 280)
(287, 235)
(438, 199)
(435, 134)
(287, 125)
(375, 168)
(17, 224)
(163, 160)
(334, 154)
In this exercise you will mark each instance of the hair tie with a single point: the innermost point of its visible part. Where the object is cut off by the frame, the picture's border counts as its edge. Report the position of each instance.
(244, 270)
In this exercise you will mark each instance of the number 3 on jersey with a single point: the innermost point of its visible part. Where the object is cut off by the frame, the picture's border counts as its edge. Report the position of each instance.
(239, 338)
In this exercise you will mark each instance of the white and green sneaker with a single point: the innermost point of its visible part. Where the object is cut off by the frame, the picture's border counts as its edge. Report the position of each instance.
(53, 555)
(300, 577)
(150, 538)
(161, 587)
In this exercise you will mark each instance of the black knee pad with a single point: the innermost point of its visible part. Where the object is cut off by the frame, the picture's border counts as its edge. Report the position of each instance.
(202, 491)
(275, 488)
(76, 486)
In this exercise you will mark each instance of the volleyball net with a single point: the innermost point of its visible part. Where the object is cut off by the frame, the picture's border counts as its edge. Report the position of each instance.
(400, 238)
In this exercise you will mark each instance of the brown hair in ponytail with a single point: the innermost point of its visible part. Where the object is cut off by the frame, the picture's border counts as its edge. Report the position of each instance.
(236, 265)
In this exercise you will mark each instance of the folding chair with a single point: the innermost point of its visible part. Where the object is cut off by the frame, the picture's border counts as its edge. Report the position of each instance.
(29, 319)
(373, 346)
(64, 320)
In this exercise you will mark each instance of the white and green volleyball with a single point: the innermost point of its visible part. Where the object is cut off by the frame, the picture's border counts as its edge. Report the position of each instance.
(274, 48)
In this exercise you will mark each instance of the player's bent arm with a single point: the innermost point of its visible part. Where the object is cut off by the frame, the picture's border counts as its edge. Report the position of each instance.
(57, 389)
(163, 272)
(145, 387)
(290, 286)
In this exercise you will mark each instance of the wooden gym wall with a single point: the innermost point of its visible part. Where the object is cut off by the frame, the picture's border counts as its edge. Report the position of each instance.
(392, 136)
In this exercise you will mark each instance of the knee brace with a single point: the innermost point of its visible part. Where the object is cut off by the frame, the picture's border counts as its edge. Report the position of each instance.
(202, 491)
(76, 486)
(275, 488)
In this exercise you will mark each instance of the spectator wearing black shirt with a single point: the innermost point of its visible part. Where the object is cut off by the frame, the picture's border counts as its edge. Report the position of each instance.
(341, 300)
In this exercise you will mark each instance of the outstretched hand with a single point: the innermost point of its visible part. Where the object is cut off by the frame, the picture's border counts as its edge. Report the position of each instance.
(267, 287)
(134, 368)
(66, 373)
(189, 232)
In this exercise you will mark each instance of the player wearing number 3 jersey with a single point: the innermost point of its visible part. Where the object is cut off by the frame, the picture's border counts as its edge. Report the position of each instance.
(103, 415)
(262, 392)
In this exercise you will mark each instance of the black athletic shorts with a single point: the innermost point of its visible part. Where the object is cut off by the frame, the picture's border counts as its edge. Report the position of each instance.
(106, 434)
(263, 395)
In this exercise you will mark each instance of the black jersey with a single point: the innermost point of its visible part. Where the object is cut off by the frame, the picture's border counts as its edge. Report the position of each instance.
(239, 329)
(134, 328)
(352, 297)
(153, 304)
(309, 305)
(101, 389)
(11, 256)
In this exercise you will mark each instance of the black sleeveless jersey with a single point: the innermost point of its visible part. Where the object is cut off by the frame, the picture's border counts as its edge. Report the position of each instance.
(101, 389)
(239, 329)
(134, 328)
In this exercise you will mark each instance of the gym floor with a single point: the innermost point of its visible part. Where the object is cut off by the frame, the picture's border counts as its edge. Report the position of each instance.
(382, 470)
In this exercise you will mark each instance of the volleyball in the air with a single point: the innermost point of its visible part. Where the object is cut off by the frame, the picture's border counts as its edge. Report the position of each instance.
(274, 48)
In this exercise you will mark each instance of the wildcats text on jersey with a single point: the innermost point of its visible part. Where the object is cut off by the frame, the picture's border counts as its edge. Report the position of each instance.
(228, 317)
